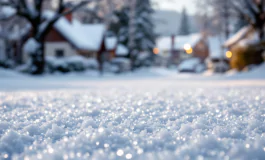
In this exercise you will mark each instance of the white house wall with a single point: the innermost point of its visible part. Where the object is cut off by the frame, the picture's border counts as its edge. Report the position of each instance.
(50, 50)
(51, 47)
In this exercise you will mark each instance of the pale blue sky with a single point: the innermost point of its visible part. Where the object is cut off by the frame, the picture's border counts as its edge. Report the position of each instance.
(176, 5)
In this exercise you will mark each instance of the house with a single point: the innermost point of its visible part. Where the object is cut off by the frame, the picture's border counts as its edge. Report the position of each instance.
(179, 48)
(244, 48)
(69, 37)
(246, 35)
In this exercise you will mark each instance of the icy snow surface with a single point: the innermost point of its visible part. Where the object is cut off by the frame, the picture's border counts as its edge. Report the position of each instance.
(256, 73)
(169, 117)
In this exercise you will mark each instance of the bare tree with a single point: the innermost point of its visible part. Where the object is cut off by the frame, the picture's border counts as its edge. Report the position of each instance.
(100, 11)
(254, 13)
(10, 31)
(32, 11)
(252, 10)
(221, 13)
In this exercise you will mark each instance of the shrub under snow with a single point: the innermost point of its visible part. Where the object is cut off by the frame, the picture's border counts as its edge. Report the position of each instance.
(69, 64)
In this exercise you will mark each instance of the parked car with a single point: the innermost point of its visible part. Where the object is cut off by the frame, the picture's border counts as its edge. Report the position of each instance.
(192, 65)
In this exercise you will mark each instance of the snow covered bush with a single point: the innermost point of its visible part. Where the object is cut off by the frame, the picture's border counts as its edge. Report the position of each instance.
(123, 64)
(24, 68)
(143, 59)
(7, 64)
(76, 63)
(70, 64)
(118, 65)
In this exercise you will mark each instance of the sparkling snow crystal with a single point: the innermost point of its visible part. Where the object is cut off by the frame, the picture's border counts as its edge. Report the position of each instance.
(152, 120)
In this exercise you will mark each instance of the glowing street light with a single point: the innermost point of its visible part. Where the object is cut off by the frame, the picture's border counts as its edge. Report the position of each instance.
(190, 51)
(229, 54)
(156, 51)
(188, 48)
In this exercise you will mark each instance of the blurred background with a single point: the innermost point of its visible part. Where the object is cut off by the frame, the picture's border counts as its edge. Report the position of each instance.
(119, 36)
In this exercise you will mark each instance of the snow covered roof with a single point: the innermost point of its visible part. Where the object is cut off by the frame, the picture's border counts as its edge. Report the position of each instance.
(110, 43)
(164, 43)
(241, 34)
(191, 39)
(122, 50)
(82, 36)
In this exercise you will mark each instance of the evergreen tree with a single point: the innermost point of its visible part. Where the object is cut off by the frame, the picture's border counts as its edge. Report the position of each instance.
(121, 27)
(144, 37)
(144, 27)
(184, 24)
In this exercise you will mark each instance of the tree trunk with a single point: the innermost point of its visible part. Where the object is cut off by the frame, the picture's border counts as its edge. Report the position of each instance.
(261, 34)
(100, 62)
(133, 60)
(38, 60)
(226, 18)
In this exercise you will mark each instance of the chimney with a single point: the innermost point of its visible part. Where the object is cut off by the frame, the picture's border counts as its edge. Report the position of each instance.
(69, 16)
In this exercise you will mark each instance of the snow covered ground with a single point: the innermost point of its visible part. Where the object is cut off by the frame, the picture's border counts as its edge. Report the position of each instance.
(151, 114)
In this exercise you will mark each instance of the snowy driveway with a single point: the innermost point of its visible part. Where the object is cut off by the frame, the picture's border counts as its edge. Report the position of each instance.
(155, 118)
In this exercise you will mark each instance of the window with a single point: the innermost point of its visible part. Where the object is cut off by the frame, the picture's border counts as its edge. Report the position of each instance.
(59, 53)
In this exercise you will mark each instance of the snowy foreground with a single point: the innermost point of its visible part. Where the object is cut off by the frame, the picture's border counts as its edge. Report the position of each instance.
(165, 118)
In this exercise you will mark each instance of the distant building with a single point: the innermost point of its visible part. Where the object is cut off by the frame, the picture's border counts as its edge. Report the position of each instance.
(243, 37)
(244, 48)
(70, 37)
(179, 48)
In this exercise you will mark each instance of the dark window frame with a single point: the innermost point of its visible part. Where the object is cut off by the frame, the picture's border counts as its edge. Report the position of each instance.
(59, 53)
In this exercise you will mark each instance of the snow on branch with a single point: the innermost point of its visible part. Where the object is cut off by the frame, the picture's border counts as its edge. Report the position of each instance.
(61, 12)
(242, 12)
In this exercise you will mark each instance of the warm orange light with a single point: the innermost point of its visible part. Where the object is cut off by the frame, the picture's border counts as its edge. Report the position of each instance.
(229, 54)
(189, 51)
(156, 50)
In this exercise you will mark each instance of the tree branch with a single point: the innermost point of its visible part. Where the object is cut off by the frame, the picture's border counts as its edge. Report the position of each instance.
(38, 4)
(250, 7)
(242, 13)
(61, 7)
(63, 13)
